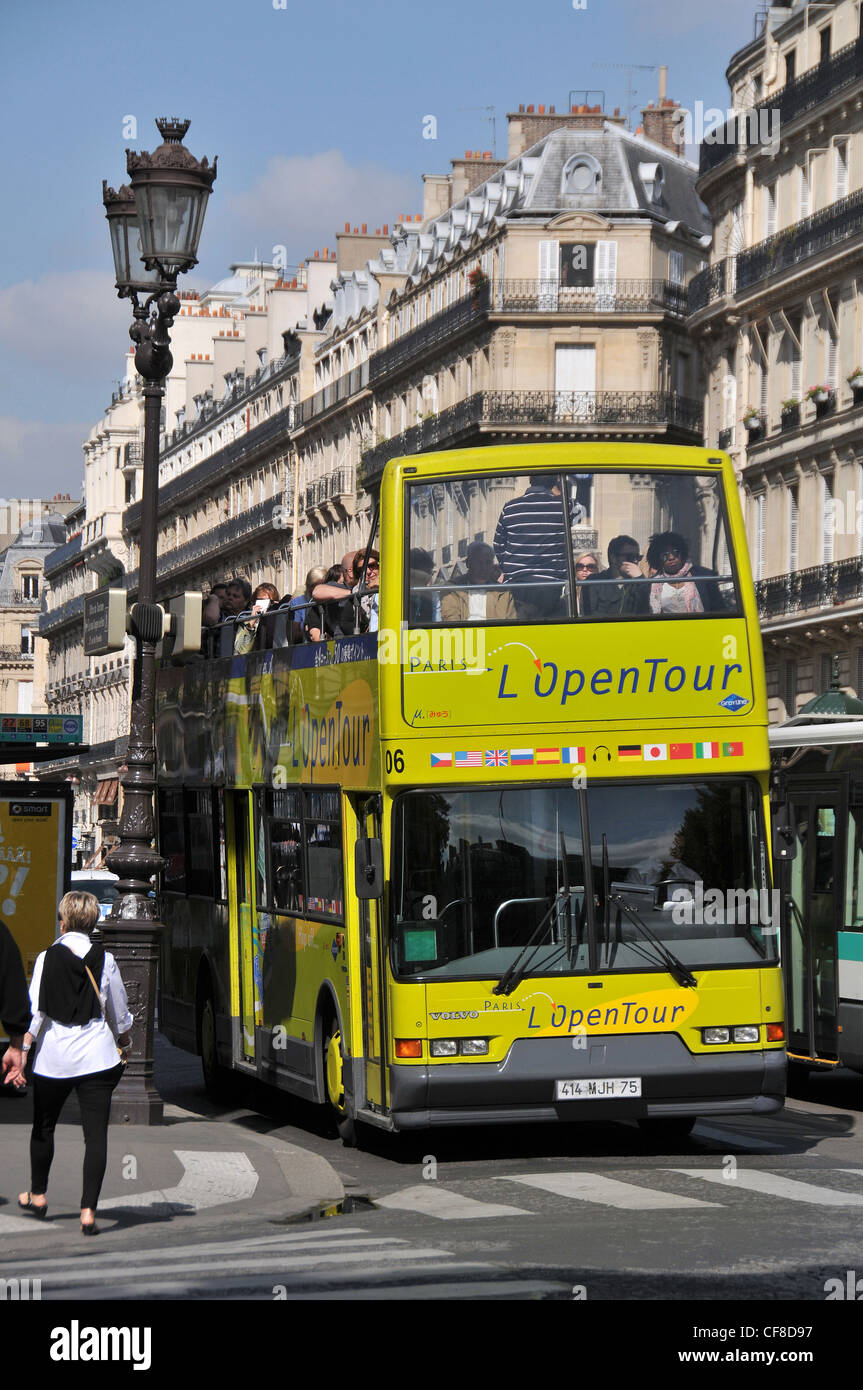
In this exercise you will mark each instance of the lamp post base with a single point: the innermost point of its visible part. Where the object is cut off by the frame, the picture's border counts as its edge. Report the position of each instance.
(134, 944)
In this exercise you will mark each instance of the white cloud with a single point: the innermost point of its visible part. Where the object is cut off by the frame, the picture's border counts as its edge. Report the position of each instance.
(38, 459)
(302, 201)
(72, 321)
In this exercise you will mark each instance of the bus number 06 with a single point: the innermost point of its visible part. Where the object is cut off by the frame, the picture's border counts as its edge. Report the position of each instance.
(395, 761)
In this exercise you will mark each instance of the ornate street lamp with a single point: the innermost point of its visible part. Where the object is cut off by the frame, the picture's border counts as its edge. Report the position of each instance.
(155, 228)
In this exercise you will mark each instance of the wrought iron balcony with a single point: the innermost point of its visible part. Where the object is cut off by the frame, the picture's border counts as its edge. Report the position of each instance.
(842, 69)
(577, 411)
(16, 656)
(345, 386)
(62, 556)
(450, 323)
(813, 235)
(59, 617)
(340, 482)
(710, 284)
(822, 586)
(219, 538)
(613, 296)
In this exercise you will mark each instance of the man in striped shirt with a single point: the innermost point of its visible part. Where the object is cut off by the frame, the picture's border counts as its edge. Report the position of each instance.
(530, 543)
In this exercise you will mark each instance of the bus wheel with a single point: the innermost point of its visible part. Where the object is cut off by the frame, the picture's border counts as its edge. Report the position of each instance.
(667, 1128)
(334, 1082)
(217, 1079)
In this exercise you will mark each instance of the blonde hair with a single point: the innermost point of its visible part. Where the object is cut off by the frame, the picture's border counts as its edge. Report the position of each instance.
(79, 911)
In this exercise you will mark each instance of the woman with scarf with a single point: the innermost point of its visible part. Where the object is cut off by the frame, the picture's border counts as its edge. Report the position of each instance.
(682, 588)
(81, 1020)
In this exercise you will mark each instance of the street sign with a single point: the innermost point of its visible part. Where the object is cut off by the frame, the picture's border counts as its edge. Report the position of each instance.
(41, 728)
(104, 622)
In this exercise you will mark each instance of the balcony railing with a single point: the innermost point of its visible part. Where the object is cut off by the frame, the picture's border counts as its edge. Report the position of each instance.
(817, 84)
(345, 386)
(219, 538)
(614, 296)
(16, 656)
(576, 410)
(341, 482)
(62, 556)
(443, 327)
(709, 284)
(813, 235)
(822, 586)
(58, 617)
(16, 598)
(215, 410)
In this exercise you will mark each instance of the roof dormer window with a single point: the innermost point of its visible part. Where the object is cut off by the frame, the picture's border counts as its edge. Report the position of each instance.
(582, 175)
(653, 179)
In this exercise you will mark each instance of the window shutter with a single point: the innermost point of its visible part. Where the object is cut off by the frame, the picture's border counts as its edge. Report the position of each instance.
(803, 186)
(826, 519)
(841, 169)
(770, 209)
(606, 275)
(549, 274)
(832, 359)
(793, 531)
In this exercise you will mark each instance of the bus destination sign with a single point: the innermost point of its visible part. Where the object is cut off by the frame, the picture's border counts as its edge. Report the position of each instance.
(41, 728)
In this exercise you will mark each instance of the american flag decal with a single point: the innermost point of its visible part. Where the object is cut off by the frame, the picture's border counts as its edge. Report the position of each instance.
(470, 758)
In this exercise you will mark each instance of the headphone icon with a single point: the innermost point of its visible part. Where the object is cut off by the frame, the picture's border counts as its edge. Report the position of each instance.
(596, 751)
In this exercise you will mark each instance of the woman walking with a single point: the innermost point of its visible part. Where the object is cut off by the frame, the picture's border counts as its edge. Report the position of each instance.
(80, 1018)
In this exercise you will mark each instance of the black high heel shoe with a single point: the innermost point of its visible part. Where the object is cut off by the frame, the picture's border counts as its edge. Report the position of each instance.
(39, 1212)
(89, 1228)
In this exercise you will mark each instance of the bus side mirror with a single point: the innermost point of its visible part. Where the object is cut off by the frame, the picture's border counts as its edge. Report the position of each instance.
(369, 869)
(784, 839)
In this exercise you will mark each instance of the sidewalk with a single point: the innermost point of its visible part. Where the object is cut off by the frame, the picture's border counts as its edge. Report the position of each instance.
(203, 1162)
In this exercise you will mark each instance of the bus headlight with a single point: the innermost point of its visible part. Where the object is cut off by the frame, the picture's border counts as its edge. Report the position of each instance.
(444, 1047)
(473, 1047)
(746, 1034)
(716, 1035)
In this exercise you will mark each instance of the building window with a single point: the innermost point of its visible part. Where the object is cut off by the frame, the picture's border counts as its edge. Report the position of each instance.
(675, 267)
(840, 169)
(27, 641)
(25, 697)
(31, 586)
(790, 65)
(582, 174)
(825, 43)
(826, 672)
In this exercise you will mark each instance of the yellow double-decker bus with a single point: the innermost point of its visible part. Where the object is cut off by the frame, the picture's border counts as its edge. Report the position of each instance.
(500, 854)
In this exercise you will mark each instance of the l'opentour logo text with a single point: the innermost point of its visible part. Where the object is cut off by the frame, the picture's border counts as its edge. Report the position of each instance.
(77, 1343)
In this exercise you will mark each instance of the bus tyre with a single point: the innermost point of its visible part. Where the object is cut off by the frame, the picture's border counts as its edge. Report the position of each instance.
(217, 1079)
(334, 1082)
(667, 1128)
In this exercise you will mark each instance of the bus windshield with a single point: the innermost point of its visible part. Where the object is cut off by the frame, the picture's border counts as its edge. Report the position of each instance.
(550, 547)
(475, 873)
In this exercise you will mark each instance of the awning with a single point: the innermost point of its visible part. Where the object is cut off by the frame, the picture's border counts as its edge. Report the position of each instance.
(106, 792)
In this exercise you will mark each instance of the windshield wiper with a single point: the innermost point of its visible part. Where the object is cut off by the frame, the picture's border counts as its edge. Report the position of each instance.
(514, 975)
(676, 969)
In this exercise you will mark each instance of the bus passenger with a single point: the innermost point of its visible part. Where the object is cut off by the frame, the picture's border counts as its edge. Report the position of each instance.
(252, 632)
(608, 594)
(367, 567)
(298, 606)
(331, 614)
(423, 607)
(586, 564)
(679, 590)
(531, 545)
(490, 603)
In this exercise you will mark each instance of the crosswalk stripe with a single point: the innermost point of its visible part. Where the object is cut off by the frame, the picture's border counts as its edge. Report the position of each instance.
(427, 1200)
(327, 1239)
(608, 1192)
(167, 1270)
(772, 1185)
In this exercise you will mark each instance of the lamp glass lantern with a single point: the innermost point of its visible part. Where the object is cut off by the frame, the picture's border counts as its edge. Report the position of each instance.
(130, 272)
(171, 189)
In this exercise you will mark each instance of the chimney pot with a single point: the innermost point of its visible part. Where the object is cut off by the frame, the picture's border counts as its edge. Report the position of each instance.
(551, 111)
(530, 109)
(365, 228)
(347, 226)
(541, 110)
(386, 229)
(521, 108)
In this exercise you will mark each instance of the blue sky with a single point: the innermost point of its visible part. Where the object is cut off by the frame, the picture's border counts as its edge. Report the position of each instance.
(316, 113)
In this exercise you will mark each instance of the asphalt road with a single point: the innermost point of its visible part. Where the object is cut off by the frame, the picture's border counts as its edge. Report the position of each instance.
(764, 1210)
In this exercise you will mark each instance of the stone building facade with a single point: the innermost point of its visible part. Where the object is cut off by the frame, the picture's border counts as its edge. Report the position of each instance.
(778, 314)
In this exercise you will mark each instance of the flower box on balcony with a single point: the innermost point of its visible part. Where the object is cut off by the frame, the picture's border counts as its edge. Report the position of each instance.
(790, 417)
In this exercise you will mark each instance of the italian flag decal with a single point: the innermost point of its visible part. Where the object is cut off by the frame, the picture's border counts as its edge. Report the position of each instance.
(707, 750)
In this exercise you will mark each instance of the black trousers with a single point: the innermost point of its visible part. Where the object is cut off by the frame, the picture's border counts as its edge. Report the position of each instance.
(94, 1099)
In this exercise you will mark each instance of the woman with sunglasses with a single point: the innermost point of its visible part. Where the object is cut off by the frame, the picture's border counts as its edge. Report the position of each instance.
(586, 565)
(81, 1020)
(679, 590)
